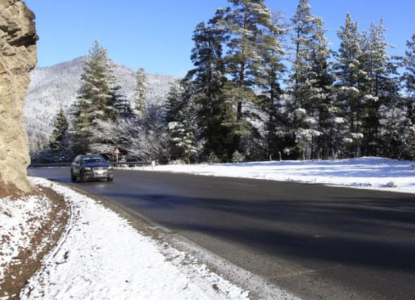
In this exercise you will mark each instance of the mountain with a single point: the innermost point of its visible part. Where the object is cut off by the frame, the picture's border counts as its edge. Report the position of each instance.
(56, 86)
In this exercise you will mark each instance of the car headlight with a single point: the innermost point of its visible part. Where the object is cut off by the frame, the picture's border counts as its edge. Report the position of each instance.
(110, 168)
(86, 168)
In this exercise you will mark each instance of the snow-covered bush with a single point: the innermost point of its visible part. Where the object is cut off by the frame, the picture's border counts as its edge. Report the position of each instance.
(237, 157)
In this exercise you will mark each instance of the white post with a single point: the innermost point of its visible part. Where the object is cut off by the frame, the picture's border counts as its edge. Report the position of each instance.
(116, 152)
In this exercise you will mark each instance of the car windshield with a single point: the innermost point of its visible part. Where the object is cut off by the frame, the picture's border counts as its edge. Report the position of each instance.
(92, 159)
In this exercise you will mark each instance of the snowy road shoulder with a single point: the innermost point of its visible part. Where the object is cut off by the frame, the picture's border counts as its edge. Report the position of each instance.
(367, 172)
(102, 257)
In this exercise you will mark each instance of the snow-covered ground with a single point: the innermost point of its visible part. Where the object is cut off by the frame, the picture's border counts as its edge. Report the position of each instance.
(368, 172)
(19, 221)
(102, 257)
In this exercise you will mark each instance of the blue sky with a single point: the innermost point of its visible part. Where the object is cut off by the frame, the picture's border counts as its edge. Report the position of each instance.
(156, 34)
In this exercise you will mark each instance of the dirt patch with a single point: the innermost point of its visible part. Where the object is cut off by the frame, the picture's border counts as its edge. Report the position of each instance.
(29, 260)
(10, 190)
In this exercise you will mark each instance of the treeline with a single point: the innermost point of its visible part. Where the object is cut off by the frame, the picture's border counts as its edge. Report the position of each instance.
(262, 88)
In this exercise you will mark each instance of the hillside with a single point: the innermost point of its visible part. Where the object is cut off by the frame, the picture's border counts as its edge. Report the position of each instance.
(56, 86)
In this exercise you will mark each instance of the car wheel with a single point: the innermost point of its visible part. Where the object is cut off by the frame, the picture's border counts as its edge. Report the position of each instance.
(73, 177)
(82, 177)
(110, 179)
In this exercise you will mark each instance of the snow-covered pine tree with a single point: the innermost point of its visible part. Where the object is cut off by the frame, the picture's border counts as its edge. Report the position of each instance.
(141, 91)
(57, 149)
(397, 136)
(245, 23)
(174, 101)
(397, 132)
(409, 64)
(208, 78)
(321, 91)
(106, 144)
(303, 29)
(269, 79)
(409, 81)
(120, 103)
(95, 99)
(59, 138)
(350, 78)
(379, 86)
(181, 119)
(310, 80)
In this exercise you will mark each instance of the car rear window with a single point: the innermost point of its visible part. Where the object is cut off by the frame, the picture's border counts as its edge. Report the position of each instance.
(92, 159)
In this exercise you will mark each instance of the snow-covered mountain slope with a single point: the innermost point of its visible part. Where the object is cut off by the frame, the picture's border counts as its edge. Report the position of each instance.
(56, 86)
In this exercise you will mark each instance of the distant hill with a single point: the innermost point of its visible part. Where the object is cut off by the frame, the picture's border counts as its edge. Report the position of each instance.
(56, 86)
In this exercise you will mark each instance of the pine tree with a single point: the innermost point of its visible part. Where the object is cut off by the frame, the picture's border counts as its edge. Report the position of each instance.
(209, 80)
(380, 85)
(180, 116)
(311, 81)
(56, 150)
(245, 23)
(408, 79)
(269, 79)
(174, 101)
(59, 139)
(350, 78)
(120, 103)
(96, 98)
(397, 132)
(409, 64)
(303, 23)
(141, 91)
(320, 94)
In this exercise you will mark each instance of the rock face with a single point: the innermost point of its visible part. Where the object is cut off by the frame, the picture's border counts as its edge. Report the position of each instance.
(18, 56)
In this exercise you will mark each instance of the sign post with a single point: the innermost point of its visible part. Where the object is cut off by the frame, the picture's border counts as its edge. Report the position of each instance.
(116, 152)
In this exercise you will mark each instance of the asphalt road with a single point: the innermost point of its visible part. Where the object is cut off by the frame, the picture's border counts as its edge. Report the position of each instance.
(315, 241)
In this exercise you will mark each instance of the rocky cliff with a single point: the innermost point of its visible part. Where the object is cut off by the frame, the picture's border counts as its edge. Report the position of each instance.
(18, 56)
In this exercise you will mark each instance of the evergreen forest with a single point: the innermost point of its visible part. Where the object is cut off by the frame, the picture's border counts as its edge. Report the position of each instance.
(263, 87)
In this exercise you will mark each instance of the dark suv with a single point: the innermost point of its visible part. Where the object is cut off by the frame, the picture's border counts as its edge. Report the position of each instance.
(88, 167)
